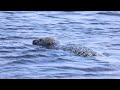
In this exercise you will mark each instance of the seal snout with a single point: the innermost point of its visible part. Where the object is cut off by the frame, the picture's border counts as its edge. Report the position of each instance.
(34, 42)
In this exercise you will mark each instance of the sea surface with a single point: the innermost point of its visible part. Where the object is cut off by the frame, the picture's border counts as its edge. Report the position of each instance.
(98, 30)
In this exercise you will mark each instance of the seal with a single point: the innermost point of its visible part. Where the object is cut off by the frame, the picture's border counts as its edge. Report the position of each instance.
(51, 43)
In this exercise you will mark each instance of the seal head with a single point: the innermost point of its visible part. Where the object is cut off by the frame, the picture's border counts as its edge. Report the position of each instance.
(46, 42)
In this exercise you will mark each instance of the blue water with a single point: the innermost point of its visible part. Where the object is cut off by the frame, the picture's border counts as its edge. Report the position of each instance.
(98, 30)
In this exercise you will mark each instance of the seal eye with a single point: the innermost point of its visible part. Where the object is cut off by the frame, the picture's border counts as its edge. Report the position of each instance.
(40, 40)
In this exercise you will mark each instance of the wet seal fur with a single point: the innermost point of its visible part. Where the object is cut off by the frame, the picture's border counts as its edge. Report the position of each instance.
(51, 43)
